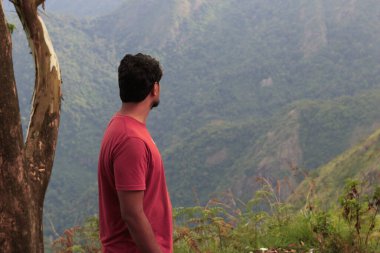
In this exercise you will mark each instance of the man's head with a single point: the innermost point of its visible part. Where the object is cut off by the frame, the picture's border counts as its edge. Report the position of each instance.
(139, 75)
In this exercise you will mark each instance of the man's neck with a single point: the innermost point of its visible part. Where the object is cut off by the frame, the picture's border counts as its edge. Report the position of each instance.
(138, 111)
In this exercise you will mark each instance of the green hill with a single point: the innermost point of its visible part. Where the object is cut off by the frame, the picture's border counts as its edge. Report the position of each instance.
(362, 162)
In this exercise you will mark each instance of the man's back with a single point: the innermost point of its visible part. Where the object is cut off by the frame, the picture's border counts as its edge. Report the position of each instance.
(130, 161)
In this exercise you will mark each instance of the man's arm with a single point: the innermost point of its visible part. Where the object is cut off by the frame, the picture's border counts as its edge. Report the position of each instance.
(132, 212)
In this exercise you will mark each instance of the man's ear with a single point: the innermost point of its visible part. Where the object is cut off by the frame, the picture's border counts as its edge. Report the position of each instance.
(156, 89)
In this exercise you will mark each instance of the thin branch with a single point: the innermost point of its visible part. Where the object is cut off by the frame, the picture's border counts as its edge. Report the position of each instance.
(52, 226)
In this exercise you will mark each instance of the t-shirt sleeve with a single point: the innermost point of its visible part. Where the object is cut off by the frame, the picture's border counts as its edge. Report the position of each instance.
(130, 165)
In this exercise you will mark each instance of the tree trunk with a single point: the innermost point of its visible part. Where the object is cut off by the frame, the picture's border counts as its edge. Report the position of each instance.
(26, 168)
(13, 214)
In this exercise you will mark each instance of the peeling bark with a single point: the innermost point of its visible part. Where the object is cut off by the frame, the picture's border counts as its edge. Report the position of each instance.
(26, 168)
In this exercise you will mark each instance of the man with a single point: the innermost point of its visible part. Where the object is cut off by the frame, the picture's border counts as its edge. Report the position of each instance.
(135, 212)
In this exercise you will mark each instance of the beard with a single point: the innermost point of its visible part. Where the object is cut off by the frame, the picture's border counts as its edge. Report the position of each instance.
(155, 104)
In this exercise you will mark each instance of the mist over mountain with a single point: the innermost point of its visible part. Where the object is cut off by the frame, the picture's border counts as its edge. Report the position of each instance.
(82, 8)
(251, 88)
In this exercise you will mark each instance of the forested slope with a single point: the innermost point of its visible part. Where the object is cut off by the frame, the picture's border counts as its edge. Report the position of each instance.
(301, 137)
(362, 163)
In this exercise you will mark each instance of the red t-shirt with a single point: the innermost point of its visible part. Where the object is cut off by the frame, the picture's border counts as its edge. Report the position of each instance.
(128, 161)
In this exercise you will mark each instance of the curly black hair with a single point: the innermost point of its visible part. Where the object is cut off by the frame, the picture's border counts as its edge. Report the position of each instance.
(137, 75)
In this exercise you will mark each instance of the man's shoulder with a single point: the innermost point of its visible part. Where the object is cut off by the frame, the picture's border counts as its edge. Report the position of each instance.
(121, 126)
(121, 130)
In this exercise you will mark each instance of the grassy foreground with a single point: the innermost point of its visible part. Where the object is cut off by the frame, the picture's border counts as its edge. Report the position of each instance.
(263, 224)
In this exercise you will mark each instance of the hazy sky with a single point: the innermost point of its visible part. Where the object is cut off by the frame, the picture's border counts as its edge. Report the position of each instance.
(75, 7)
